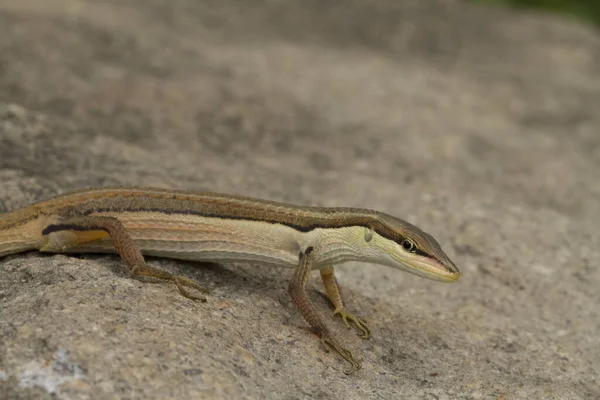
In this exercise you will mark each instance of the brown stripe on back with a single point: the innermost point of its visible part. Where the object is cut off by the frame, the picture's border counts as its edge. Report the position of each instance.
(302, 218)
(216, 205)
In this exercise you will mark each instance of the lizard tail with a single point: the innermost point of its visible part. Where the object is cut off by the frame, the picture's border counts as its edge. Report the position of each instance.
(20, 230)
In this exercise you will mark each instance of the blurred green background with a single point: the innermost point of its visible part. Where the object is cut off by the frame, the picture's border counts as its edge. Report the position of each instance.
(583, 9)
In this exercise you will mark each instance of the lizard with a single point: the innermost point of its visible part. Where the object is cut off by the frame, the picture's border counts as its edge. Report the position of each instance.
(204, 226)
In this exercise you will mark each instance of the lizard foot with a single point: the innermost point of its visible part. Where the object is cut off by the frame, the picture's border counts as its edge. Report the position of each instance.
(355, 365)
(346, 315)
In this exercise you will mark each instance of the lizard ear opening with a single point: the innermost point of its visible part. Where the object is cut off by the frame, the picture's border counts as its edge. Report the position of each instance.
(368, 234)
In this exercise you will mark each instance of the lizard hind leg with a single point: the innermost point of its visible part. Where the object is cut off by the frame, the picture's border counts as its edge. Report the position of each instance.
(64, 240)
(78, 231)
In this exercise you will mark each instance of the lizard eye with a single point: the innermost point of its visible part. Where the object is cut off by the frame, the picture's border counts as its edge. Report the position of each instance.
(368, 234)
(409, 245)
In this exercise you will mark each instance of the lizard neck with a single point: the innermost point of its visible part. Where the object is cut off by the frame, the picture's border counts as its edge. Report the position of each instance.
(338, 245)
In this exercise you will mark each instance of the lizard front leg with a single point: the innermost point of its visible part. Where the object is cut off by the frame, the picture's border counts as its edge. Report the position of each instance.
(76, 231)
(335, 296)
(309, 312)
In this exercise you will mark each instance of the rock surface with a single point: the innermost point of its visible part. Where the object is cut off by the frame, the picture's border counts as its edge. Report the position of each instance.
(477, 124)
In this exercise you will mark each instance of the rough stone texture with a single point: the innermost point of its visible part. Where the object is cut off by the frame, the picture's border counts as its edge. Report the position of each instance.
(480, 125)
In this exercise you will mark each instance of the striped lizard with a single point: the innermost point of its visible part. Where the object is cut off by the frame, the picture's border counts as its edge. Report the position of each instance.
(202, 226)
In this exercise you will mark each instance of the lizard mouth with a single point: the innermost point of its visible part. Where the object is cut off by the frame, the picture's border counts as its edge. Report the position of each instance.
(430, 268)
(437, 270)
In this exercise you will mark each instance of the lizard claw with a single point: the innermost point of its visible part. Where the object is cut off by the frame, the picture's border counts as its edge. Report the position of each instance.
(346, 315)
(182, 281)
(355, 365)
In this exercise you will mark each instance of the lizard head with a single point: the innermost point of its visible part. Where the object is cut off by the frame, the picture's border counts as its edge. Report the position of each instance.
(398, 244)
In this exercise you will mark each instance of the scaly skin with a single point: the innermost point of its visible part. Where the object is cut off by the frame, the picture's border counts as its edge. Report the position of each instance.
(134, 222)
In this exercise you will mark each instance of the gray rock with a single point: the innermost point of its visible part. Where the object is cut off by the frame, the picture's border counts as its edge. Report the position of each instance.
(477, 124)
